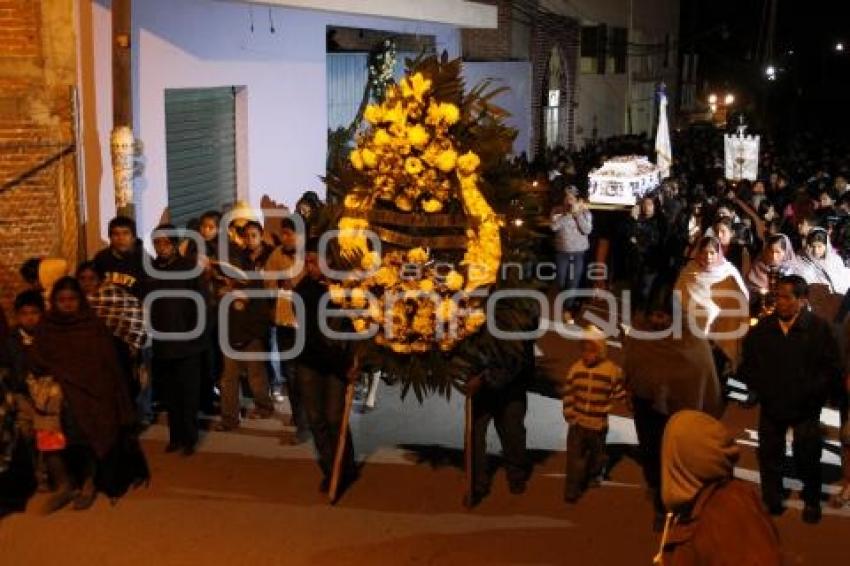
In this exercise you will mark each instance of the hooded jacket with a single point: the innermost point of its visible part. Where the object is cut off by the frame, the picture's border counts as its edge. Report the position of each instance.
(713, 519)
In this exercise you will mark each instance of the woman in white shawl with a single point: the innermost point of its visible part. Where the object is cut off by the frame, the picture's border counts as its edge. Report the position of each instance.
(714, 296)
(819, 264)
(776, 260)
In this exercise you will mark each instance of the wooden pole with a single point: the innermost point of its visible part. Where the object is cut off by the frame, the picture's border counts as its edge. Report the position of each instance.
(122, 73)
(341, 443)
(468, 453)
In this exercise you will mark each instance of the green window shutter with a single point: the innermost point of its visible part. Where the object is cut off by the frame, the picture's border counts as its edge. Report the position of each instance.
(200, 135)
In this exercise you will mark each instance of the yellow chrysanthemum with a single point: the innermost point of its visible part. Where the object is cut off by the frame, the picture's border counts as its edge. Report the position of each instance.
(454, 281)
(358, 298)
(413, 165)
(356, 159)
(353, 201)
(386, 276)
(373, 114)
(360, 325)
(447, 160)
(382, 138)
(396, 116)
(422, 325)
(449, 113)
(418, 136)
(417, 255)
(403, 203)
(370, 158)
(415, 86)
(337, 294)
(426, 285)
(447, 310)
(432, 205)
(467, 163)
(474, 321)
(370, 260)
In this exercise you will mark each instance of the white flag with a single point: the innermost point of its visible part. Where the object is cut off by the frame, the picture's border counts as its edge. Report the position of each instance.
(663, 151)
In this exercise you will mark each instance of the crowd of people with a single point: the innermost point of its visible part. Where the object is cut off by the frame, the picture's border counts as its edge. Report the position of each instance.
(86, 379)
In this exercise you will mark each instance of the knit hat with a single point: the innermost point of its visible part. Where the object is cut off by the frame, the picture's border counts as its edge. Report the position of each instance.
(593, 334)
(697, 450)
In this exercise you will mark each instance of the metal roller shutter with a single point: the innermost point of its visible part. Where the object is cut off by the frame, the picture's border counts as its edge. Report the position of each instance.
(200, 136)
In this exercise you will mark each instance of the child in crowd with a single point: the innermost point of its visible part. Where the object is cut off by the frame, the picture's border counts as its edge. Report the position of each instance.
(591, 386)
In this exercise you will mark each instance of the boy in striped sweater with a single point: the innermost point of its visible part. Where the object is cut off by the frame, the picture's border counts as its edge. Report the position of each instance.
(592, 385)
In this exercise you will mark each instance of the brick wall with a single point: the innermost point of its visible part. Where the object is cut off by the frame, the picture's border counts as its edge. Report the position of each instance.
(38, 212)
(490, 44)
(564, 33)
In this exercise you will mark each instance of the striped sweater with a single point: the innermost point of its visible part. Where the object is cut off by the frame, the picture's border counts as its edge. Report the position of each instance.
(589, 393)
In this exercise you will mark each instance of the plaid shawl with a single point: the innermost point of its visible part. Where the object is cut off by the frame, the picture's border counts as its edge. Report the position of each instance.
(122, 314)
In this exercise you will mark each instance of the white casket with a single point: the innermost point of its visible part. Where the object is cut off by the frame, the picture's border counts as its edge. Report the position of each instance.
(622, 180)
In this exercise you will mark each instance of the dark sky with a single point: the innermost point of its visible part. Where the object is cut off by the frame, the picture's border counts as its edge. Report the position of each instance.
(812, 89)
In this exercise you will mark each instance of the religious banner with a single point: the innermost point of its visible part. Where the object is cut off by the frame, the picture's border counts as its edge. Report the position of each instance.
(741, 156)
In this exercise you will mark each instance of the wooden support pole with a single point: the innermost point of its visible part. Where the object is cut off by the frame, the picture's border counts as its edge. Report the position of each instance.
(468, 452)
(122, 77)
(341, 444)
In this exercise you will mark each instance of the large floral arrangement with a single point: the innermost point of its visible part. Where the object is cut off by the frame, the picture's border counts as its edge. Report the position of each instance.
(429, 162)
(411, 160)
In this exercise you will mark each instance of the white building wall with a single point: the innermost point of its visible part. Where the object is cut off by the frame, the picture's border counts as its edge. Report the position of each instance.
(205, 43)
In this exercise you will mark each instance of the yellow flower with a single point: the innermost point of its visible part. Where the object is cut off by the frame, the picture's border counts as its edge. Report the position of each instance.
(360, 325)
(370, 260)
(413, 165)
(454, 280)
(403, 203)
(426, 285)
(446, 160)
(417, 255)
(449, 113)
(423, 325)
(415, 86)
(448, 309)
(382, 138)
(358, 298)
(386, 276)
(356, 159)
(395, 116)
(373, 114)
(353, 201)
(474, 321)
(432, 205)
(337, 294)
(467, 163)
(370, 158)
(418, 136)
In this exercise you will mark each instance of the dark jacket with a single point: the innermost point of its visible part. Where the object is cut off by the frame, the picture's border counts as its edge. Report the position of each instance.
(175, 314)
(124, 270)
(727, 526)
(15, 354)
(319, 353)
(793, 375)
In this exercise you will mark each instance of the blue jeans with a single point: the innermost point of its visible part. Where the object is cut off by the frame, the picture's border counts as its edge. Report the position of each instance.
(570, 266)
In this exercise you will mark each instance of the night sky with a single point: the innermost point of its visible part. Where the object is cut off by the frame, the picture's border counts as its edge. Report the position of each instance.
(812, 86)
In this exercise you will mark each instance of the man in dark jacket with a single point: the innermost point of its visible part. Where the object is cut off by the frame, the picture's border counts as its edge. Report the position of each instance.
(122, 262)
(791, 361)
(499, 395)
(177, 360)
(322, 370)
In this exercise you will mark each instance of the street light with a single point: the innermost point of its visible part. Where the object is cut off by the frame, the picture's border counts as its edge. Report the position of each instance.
(839, 47)
(770, 71)
(712, 99)
(729, 100)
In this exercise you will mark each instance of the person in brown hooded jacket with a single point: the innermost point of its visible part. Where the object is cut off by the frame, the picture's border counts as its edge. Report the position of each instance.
(713, 519)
